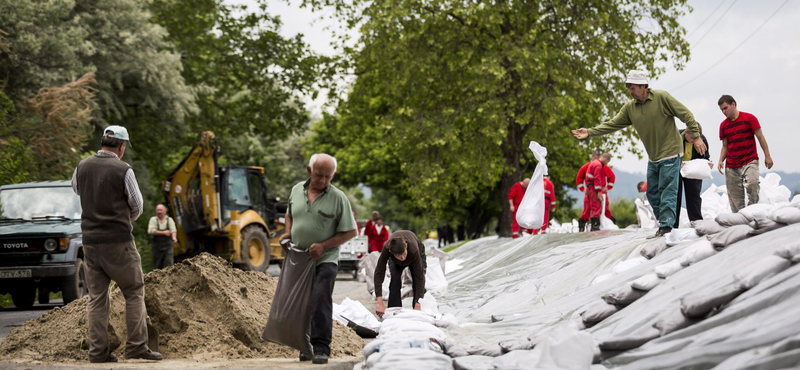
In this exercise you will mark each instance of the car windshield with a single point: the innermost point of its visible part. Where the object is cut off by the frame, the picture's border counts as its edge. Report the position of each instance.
(50, 202)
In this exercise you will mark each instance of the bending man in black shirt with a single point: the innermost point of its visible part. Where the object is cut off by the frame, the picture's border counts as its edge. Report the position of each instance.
(403, 249)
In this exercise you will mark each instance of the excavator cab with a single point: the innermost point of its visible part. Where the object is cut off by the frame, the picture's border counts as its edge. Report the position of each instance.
(224, 210)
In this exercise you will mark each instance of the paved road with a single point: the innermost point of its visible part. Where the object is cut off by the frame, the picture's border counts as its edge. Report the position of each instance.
(346, 286)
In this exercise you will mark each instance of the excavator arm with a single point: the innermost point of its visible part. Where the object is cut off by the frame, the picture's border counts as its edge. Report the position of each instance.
(192, 192)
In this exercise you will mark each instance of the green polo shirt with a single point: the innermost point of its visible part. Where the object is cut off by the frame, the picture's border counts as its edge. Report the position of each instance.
(330, 214)
(654, 121)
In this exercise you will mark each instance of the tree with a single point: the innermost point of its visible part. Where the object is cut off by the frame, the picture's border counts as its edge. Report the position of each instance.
(449, 93)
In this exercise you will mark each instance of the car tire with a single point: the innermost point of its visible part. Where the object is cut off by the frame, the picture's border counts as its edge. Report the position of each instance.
(43, 296)
(74, 287)
(255, 249)
(24, 296)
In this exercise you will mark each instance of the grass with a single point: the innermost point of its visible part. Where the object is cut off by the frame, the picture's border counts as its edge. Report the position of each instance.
(455, 246)
(5, 299)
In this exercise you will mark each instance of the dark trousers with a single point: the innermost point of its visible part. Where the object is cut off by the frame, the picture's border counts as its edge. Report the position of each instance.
(322, 312)
(396, 281)
(693, 201)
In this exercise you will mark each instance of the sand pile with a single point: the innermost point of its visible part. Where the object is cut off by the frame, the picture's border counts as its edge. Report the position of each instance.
(202, 309)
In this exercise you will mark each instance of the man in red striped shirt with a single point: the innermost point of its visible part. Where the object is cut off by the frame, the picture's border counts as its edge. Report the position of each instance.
(738, 133)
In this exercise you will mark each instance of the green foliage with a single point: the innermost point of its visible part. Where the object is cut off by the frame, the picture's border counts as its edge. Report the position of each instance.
(395, 213)
(624, 211)
(449, 93)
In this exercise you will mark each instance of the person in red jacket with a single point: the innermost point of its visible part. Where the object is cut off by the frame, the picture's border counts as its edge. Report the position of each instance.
(377, 234)
(549, 202)
(580, 180)
(595, 187)
(610, 178)
(515, 196)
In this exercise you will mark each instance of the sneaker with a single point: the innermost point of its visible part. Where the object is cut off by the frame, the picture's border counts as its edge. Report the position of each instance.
(304, 357)
(110, 358)
(320, 358)
(148, 355)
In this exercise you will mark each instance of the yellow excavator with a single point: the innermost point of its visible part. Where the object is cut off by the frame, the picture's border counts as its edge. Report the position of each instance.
(223, 210)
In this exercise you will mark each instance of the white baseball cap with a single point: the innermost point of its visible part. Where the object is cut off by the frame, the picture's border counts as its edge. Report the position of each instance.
(637, 78)
(118, 132)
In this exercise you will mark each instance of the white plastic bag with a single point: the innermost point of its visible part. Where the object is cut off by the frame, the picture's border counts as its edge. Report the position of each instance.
(647, 220)
(434, 277)
(696, 169)
(530, 214)
(355, 312)
(771, 191)
(429, 305)
(605, 223)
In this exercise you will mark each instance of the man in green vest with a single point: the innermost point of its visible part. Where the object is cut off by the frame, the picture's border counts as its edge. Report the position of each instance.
(110, 202)
(319, 219)
(652, 113)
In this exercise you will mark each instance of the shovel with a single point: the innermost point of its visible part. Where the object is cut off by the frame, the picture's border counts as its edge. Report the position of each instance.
(152, 336)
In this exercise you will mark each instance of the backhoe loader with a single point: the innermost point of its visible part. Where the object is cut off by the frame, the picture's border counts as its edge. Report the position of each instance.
(223, 210)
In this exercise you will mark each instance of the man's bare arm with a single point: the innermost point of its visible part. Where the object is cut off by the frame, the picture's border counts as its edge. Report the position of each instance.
(763, 141)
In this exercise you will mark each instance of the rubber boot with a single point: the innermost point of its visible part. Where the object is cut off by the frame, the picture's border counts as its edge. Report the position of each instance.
(595, 224)
(581, 225)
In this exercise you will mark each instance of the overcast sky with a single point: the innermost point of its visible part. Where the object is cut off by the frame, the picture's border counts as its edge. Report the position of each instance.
(760, 74)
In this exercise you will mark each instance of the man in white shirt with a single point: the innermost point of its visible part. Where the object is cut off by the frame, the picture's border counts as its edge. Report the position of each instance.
(164, 232)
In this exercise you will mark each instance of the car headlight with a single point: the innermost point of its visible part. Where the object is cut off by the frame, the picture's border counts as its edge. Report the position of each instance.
(50, 245)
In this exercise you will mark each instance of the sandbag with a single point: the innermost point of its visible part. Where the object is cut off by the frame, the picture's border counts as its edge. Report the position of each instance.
(764, 225)
(707, 227)
(409, 358)
(516, 344)
(672, 321)
(598, 312)
(699, 305)
(408, 314)
(653, 247)
(731, 219)
(401, 341)
(290, 314)
(447, 321)
(731, 235)
(646, 282)
(409, 326)
(790, 252)
(628, 342)
(755, 211)
(786, 215)
(696, 169)
(623, 295)
(697, 252)
(760, 270)
(627, 265)
(666, 270)
(369, 263)
(441, 255)
(530, 213)
(492, 349)
(677, 236)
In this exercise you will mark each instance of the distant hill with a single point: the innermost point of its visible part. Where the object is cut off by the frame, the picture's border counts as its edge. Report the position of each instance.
(625, 186)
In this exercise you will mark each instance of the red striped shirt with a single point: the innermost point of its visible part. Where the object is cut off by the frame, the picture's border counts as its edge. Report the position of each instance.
(741, 139)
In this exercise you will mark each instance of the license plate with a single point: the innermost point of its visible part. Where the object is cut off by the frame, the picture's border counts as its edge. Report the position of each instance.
(15, 274)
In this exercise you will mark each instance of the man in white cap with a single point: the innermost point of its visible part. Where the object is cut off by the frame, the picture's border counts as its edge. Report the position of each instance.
(110, 202)
(652, 113)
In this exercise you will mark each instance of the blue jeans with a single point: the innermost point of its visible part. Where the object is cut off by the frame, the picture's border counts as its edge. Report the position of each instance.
(662, 189)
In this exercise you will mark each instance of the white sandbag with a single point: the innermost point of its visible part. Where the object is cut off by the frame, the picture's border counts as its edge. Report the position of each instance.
(446, 321)
(488, 349)
(644, 212)
(697, 252)
(771, 191)
(653, 248)
(762, 269)
(631, 341)
(731, 219)
(410, 358)
(668, 269)
(790, 252)
(400, 341)
(429, 305)
(764, 225)
(408, 314)
(730, 235)
(647, 282)
(473, 363)
(696, 169)
(786, 215)
(605, 223)
(355, 312)
(395, 326)
(755, 211)
(434, 277)
(530, 213)
(672, 321)
(628, 264)
(623, 295)
(699, 305)
(677, 236)
(516, 345)
(598, 312)
(715, 202)
(707, 227)
(601, 278)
